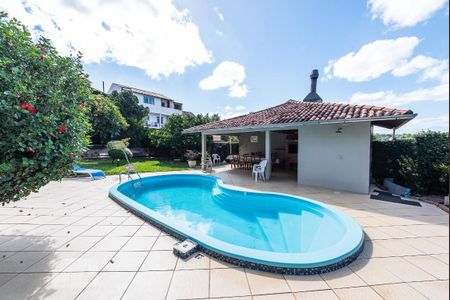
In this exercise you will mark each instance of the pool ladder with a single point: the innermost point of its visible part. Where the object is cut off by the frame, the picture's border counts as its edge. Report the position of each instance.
(130, 170)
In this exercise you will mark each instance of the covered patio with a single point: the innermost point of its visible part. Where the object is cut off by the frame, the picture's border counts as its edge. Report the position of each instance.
(321, 144)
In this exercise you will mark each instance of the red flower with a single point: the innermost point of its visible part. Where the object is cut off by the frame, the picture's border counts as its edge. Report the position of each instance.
(31, 149)
(62, 128)
(71, 154)
(85, 104)
(29, 107)
(32, 110)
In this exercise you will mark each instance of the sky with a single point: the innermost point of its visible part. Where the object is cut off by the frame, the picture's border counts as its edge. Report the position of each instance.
(235, 57)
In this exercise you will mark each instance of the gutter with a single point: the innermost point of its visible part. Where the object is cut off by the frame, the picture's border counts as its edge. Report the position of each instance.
(273, 127)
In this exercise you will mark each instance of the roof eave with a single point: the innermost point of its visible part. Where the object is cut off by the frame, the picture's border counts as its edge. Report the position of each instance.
(253, 128)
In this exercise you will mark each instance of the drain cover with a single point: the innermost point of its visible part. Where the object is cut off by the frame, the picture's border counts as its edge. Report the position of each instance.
(185, 248)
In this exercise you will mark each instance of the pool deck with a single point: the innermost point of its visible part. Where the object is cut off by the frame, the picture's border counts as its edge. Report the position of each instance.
(70, 241)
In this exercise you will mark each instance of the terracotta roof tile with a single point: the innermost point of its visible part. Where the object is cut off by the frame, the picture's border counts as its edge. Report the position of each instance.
(294, 111)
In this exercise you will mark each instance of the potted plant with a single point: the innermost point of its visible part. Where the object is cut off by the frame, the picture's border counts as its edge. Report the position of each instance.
(191, 156)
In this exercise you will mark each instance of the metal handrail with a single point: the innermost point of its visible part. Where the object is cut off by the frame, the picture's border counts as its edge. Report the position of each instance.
(130, 170)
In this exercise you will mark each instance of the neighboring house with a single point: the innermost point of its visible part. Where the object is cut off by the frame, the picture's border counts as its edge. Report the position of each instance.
(160, 106)
(328, 144)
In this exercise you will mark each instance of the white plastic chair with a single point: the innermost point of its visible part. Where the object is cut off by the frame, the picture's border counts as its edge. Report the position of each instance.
(216, 158)
(260, 170)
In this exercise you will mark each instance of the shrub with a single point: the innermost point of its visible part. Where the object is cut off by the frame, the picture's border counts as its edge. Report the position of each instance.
(118, 149)
(44, 103)
(420, 163)
(106, 119)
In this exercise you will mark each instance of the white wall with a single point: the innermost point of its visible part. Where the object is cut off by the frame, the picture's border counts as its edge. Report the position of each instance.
(335, 160)
(246, 147)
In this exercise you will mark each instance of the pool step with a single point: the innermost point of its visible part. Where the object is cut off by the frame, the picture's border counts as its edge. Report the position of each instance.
(291, 225)
(185, 248)
(274, 233)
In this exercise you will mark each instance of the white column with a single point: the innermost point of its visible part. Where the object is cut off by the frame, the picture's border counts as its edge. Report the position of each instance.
(160, 122)
(203, 150)
(268, 154)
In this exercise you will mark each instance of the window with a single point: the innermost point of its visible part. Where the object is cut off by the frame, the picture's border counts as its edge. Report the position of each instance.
(158, 120)
(163, 104)
(149, 100)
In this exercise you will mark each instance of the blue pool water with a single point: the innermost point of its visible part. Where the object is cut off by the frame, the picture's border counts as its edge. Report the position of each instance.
(269, 228)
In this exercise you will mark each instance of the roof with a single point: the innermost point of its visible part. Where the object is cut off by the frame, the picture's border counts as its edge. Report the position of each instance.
(295, 113)
(143, 92)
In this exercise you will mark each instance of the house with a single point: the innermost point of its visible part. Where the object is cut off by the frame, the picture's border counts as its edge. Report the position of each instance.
(160, 106)
(327, 144)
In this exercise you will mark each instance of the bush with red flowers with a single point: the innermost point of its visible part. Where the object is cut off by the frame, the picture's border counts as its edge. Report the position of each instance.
(44, 122)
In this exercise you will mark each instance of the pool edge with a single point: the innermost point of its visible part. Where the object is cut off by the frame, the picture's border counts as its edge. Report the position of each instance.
(243, 263)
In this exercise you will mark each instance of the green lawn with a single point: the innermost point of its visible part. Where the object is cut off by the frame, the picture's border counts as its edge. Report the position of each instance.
(142, 165)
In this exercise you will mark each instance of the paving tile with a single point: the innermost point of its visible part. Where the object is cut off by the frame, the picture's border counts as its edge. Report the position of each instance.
(285, 296)
(359, 293)
(107, 285)
(434, 290)
(266, 283)
(48, 243)
(148, 230)
(218, 264)
(132, 220)
(126, 261)
(146, 285)
(98, 230)
(305, 283)
(54, 262)
(159, 260)
(442, 257)
(5, 278)
(164, 243)
(139, 243)
(124, 231)
(18, 243)
(373, 273)
(110, 243)
(90, 262)
(399, 247)
(430, 265)
(316, 295)
(228, 283)
(20, 261)
(403, 269)
(112, 221)
(189, 284)
(398, 291)
(342, 278)
(425, 246)
(80, 243)
(65, 286)
(196, 262)
(24, 286)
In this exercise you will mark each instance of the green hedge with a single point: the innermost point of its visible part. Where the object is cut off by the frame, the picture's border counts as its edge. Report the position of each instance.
(420, 163)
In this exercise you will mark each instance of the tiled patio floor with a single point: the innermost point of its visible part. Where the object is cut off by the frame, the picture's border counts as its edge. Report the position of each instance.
(71, 241)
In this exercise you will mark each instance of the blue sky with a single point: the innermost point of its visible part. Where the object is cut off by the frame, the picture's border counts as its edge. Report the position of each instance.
(233, 57)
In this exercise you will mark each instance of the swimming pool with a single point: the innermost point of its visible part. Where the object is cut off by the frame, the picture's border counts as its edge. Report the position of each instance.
(268, 231)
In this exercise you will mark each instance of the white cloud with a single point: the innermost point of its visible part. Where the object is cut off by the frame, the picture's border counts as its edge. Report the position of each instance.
(372, 60)
(438, 123)
(228, 112)
(392, 99)
(404, 13)
(151, 35)
(219, 14)
(432, 68)
(219, 33)
(227, 74)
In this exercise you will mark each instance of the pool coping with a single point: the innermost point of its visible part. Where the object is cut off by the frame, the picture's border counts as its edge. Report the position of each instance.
(340, 262)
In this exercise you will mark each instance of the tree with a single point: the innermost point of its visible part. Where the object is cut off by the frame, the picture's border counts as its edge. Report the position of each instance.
(135, 115)
(171, 140)
(106, 120)
(44, 106)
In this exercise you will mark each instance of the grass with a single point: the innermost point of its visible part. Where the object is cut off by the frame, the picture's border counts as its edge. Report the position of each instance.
(142, 165)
